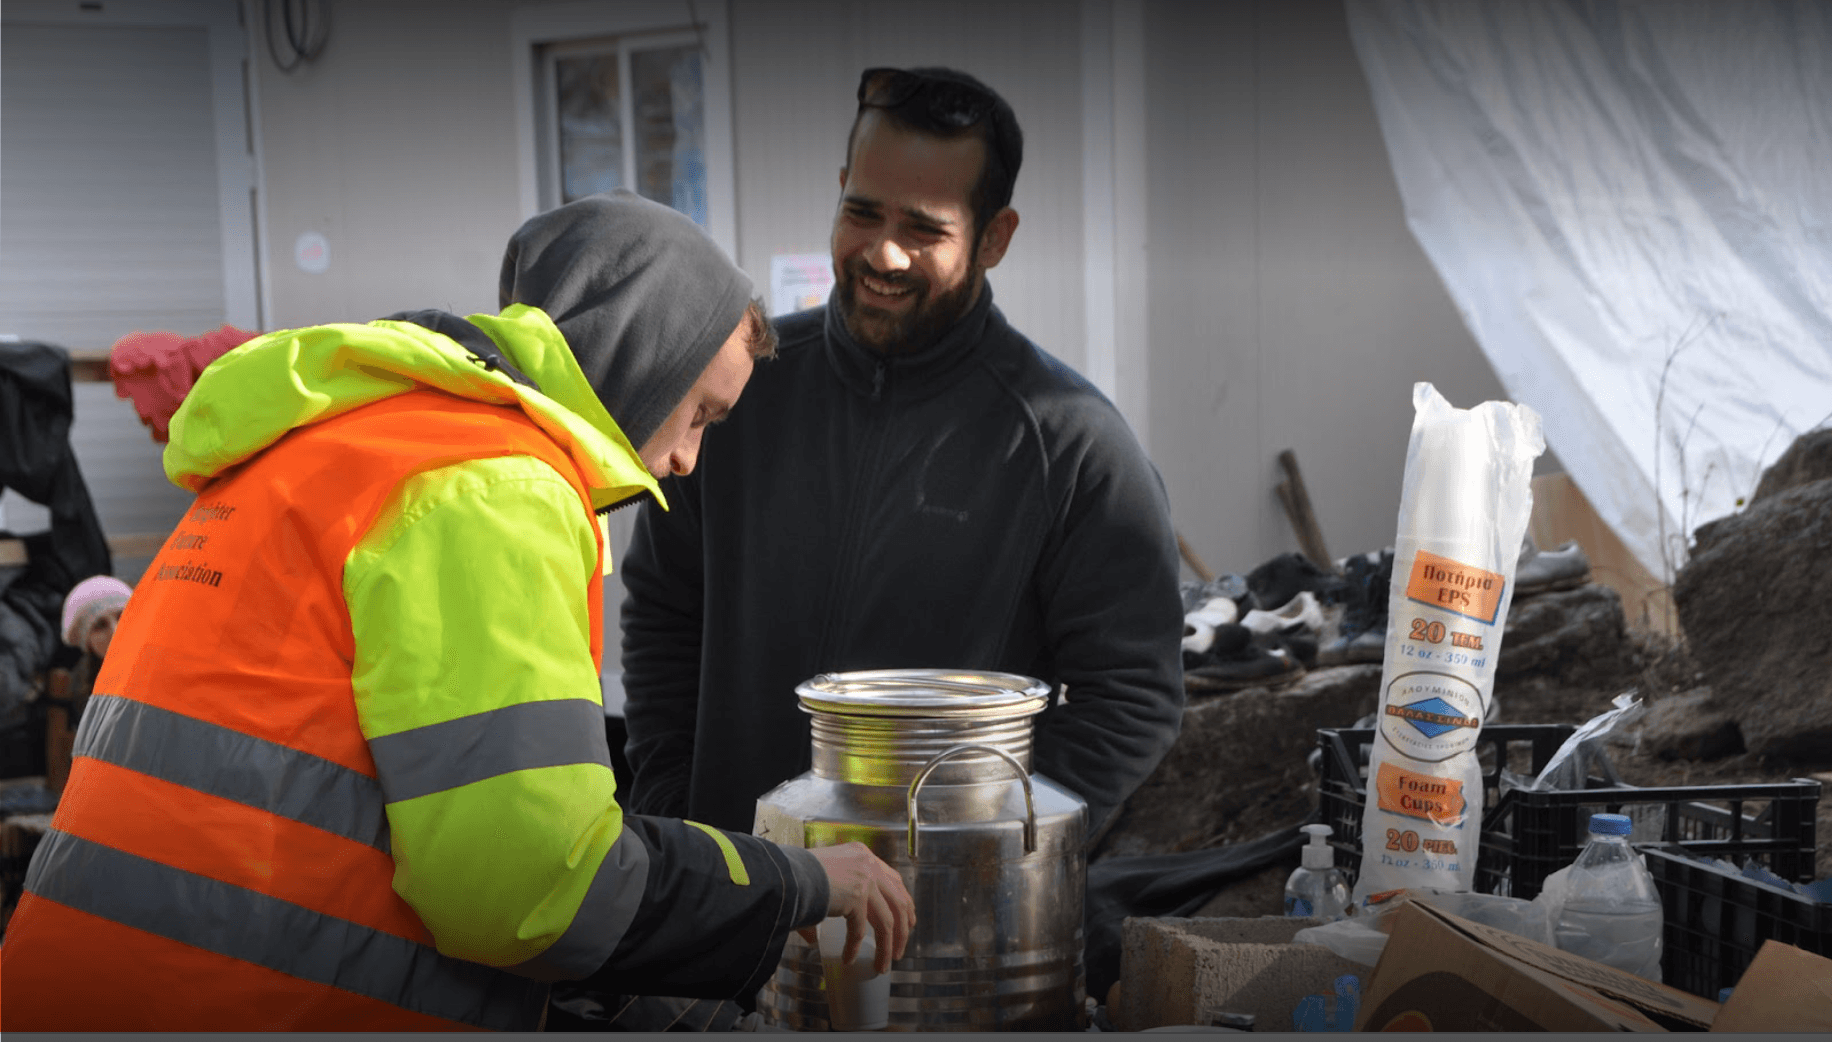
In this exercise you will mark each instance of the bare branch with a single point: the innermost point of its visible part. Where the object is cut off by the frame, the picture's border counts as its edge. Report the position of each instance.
(1686, 339)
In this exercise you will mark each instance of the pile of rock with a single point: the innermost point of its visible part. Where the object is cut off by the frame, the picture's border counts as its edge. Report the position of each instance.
(1755, 600)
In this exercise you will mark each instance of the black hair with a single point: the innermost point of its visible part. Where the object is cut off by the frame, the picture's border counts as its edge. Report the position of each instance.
(998, 131)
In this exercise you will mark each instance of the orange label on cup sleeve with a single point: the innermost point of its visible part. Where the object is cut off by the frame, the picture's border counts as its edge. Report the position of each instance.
(1423, 796)
(1411, 1020)
(1455, 586)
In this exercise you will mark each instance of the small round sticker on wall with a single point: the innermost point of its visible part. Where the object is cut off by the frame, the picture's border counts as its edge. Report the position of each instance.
(312, 253)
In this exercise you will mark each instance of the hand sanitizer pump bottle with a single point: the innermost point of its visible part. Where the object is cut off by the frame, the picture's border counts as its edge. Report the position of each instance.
(1316, 888)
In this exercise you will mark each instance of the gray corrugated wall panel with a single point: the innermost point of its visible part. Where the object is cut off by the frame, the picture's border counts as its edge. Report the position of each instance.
(110, 222)
(109, 217)
(1291, 306)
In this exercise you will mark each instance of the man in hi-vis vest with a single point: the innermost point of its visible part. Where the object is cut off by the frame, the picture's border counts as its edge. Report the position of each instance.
(345, 764)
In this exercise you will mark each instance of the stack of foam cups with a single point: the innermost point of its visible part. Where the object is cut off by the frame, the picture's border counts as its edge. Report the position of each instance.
(1463, 513)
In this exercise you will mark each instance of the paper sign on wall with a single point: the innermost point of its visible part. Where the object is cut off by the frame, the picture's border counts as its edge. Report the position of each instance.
(799, 281)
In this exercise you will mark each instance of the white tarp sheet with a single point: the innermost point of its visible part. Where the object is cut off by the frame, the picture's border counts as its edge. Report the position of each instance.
(1613, 191)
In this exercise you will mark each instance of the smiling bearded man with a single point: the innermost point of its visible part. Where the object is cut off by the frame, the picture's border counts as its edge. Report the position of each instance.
(912, 483)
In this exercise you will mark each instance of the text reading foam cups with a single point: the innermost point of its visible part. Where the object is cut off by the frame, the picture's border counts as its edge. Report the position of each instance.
(1463, 512)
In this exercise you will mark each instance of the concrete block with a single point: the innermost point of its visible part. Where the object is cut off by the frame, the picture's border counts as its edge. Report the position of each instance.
(1175, 971)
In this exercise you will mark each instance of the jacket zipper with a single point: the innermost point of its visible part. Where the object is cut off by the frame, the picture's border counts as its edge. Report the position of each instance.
(853, 527)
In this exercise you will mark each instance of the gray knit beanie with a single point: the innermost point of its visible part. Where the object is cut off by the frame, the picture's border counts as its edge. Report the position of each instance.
(643, 296)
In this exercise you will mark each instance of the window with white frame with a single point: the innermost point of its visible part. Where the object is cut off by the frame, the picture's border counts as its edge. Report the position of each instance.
(629, 94)
(625, 113)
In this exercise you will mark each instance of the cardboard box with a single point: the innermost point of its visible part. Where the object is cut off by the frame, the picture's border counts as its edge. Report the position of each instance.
(1443, 973)
(1784, 989)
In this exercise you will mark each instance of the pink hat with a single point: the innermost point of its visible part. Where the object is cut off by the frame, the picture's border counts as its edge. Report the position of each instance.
(157, 370)
(86, 603)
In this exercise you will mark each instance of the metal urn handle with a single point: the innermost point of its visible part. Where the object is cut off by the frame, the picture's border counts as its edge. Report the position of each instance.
(1030, 802)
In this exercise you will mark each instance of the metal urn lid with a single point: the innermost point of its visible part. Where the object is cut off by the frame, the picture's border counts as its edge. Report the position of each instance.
(952, 693)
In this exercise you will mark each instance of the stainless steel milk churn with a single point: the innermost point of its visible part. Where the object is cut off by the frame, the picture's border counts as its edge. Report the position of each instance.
(931, 769)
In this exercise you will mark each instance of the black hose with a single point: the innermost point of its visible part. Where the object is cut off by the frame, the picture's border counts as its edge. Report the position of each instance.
(294, 34)
(308, 28)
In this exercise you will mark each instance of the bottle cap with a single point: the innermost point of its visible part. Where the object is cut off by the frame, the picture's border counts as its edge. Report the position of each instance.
(1611, 824)
(1318, 853)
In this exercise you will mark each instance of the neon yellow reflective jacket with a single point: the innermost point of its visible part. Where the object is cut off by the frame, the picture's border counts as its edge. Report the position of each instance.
(465, 672)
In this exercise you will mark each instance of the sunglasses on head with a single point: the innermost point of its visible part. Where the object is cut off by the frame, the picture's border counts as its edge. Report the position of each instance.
(949, 102)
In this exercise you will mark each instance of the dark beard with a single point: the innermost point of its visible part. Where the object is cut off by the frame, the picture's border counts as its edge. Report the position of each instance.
(922, 327)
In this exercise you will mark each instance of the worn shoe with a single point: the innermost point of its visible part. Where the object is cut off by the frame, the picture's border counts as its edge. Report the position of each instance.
(1294, 628)
(1363, 635)
(1261, 668)
(1302, 610)
(1216, 611)
(1296, 641)
(1540, 571)
(1199, 625)
(1197, 638)
(1351, 648)
(1230, 586)
(1204, 643)
(1235, 661)
(1279, 580)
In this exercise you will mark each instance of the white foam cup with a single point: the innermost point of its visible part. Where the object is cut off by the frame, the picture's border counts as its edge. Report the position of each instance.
(858, 996)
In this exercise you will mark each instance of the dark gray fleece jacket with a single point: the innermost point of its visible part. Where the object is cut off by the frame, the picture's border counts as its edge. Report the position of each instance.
(977, 505)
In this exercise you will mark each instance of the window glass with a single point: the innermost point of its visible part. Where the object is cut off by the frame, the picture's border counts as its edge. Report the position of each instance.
(669, 128)
(589, 102)
(628, 113)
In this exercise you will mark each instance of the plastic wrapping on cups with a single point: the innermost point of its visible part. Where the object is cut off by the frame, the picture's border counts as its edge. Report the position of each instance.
(1463, 511)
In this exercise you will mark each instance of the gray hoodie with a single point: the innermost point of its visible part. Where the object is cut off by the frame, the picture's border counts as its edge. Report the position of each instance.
(644, 297)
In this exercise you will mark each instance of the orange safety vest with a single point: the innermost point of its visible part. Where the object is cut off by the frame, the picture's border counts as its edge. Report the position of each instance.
(219, 859)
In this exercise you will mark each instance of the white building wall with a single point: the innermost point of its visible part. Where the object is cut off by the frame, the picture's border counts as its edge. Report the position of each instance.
(397, 146)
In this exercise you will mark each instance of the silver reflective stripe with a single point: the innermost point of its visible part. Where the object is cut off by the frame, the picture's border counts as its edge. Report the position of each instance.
(520, 737)
(603, 917)
(223, 762)
(267, 931)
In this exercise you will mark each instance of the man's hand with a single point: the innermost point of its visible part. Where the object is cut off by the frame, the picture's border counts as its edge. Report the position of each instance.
(869, 893)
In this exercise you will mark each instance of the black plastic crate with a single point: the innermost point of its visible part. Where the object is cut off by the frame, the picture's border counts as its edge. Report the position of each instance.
(1717, 920)
(1526, 836)
(1342, 790)
(1530, 835)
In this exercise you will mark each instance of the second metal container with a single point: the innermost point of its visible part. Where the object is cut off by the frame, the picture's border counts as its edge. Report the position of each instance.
(931, 769)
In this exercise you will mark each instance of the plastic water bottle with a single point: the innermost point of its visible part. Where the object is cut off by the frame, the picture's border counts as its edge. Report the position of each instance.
(1611, 912)
(1315, 887)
